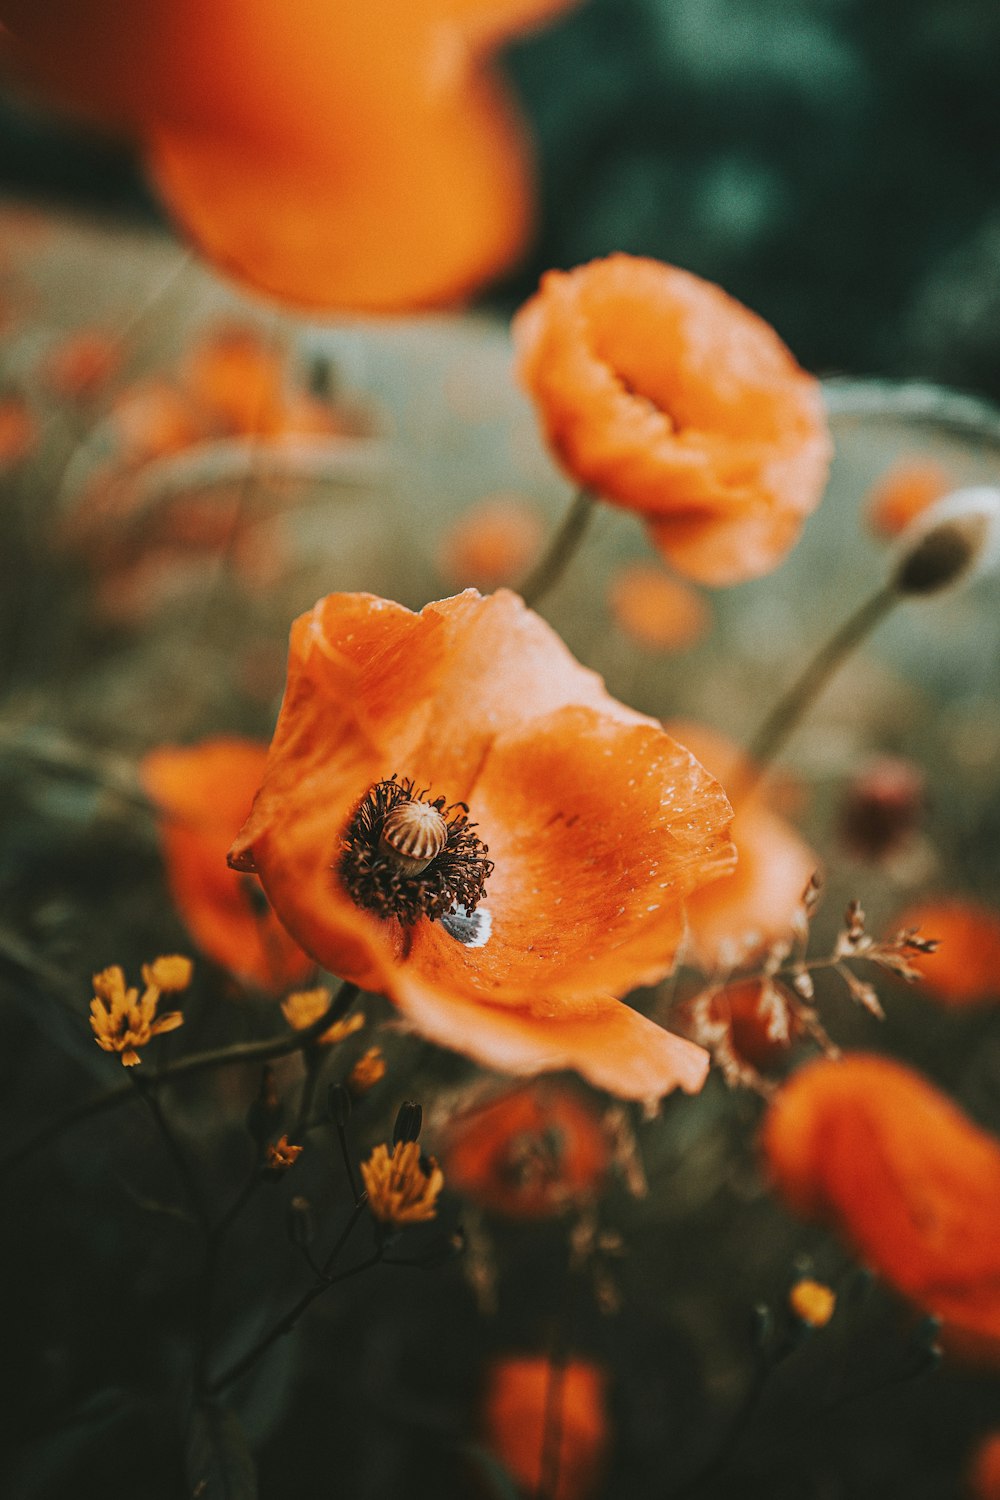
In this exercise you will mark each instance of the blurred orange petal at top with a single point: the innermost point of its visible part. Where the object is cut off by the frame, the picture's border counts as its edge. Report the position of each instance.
(735, 919)
(664, 395)
(528, 1154)
(337, 156)
(965, 969)
(513, 1422)
(596, 828)
(203, 792)
(656, 611)
(871, 1148)
(904, 492)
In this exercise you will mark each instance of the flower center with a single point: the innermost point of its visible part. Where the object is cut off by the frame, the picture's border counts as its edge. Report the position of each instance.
(406, 856)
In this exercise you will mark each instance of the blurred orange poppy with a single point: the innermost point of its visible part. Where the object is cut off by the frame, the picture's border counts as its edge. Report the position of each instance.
(871, 1148)
(81, 365)
(515, 1404)
(492, 542)
(656, 611)
(528, 1154)
(589, 829)
(984, 1477)
(735, 919)
(965, 968)
(202, 792)
(665, 396)
(18, 431)
(903, 492)
(333, 155)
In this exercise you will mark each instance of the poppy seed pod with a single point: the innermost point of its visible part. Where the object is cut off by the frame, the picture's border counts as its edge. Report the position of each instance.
(951, 543)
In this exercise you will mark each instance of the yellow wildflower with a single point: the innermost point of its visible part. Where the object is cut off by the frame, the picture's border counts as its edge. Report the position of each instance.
(306, 1006)
(366, 1073)
(168, 974)
(812, 1303)
(280, 1155)
(402, 1188)
(121, 1021)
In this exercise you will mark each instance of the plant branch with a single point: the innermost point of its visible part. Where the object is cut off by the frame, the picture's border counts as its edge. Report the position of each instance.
(557, 556)
(187, 1067)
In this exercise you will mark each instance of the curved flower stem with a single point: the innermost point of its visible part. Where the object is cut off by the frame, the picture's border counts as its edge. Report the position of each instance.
(197, 1062)
(180, 1161)
(556, 559)
(287, 1322)
(213, 1250)
(790, 709)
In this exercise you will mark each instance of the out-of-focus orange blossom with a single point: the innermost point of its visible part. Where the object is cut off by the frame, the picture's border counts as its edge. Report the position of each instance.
(531, 1153)
(657, 611)
(492, 543)
(984, 1472)
(18, 430)
(514, 1405)
(338, 156)
(904, 492)
(872, 1149)
(203, 792)
(965, 968)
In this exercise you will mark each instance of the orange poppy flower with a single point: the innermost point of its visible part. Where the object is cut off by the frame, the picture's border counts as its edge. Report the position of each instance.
(333, 155)
(965, 968)
(514, 1409)
(18, 431)
(528, 1154)
(492, 542)
(589, 829)
(873, 1149)
(83, 364)
(984, 1478)
(202, 792)
(734, 919)
(904, 492)
(655, 610)
(665, 396)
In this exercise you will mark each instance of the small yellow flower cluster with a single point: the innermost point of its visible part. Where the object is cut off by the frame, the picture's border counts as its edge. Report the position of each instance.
(123, 1022)
(402, 1188)
(369, 1070)
(280, 1155)
(306, 1006)
(812, 1303)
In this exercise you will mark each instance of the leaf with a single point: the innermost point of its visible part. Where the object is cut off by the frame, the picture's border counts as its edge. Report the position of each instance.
(219, 1463)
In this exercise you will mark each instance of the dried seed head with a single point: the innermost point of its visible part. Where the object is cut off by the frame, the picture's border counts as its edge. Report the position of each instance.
(406, 857)
(413, 834)
(951, 543)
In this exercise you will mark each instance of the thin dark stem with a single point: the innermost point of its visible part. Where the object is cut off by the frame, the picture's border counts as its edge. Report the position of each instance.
(287, 1322)
(213, 1250)
(553, 563)
(552, 1427)
(181, 1164)
(793, 706)
(314, 1060)
(186, 1067)
(345, 1151)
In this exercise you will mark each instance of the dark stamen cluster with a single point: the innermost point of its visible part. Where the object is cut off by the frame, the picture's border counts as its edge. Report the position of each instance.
(457, 876)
